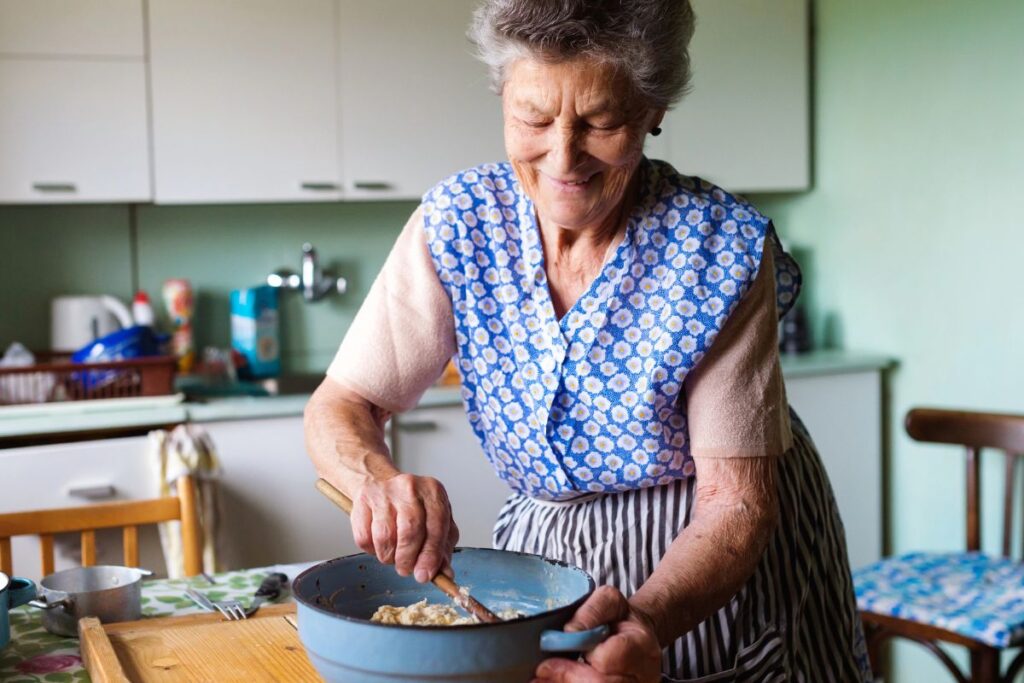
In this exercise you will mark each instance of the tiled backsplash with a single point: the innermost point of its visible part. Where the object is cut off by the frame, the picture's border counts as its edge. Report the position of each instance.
(47, 251)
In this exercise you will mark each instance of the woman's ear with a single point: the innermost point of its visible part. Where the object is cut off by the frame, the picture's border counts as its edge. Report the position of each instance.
(658, 115)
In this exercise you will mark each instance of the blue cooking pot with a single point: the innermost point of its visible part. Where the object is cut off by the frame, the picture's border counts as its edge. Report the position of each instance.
(14, 591)
(338, 597)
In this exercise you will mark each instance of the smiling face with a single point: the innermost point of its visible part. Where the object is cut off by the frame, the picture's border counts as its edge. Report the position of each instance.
(574, 133)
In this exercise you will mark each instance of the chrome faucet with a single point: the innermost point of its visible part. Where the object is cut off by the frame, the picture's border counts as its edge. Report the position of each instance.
(314, 283)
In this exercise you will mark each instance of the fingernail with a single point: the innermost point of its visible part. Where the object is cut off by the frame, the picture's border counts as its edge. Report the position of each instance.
(422, 576)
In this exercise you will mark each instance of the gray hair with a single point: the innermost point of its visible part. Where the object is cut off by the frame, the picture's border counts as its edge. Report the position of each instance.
(646, 39)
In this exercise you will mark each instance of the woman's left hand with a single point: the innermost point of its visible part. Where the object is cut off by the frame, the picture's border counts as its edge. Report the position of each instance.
(631, 654)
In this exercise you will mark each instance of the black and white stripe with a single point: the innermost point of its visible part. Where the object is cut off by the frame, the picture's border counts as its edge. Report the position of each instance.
(794, 620)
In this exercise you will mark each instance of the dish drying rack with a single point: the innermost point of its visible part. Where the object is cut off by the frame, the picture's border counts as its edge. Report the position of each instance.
(56, 379)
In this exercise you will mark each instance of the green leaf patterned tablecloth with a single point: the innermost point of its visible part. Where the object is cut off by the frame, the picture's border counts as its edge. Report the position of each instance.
(34, 655)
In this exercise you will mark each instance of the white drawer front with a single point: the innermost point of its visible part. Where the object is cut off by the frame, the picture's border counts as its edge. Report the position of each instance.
(69, 475)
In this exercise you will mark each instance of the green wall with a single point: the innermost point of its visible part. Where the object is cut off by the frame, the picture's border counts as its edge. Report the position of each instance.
(913, 231)
(50, 250)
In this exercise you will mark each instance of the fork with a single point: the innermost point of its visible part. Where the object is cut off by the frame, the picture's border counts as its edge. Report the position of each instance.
(231, 610)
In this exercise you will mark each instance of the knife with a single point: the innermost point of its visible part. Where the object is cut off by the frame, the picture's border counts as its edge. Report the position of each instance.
(200, 600)
(270, 589)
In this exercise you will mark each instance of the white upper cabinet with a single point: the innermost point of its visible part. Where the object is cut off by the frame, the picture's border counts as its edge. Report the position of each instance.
(94, 28)
(745, 124)
(244, 100)
(415, 103)
(73, 124)
(73, 131)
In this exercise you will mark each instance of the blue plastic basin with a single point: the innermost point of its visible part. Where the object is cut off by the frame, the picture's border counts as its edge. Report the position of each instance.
(338, 597)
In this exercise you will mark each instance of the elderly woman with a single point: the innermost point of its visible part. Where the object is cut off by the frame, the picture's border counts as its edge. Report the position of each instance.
(614, 325)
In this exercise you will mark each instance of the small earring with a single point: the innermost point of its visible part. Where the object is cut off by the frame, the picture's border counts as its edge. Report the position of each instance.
(656, 130)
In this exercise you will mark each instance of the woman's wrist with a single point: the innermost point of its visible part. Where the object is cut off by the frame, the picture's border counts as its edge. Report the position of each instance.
(372, 468)
(654, 617)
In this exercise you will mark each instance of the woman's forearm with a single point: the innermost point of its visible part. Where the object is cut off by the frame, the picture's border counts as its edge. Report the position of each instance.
(345, 438)
(735, 514)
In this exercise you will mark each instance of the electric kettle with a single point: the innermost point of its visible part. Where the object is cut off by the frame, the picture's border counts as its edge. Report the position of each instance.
(77, 320)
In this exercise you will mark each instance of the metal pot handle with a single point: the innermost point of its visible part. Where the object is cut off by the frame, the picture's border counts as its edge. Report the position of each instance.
(144, 572)
(44, 604)
(575, 641)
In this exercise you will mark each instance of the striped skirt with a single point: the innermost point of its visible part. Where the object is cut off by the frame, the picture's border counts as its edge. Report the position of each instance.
(794, 620)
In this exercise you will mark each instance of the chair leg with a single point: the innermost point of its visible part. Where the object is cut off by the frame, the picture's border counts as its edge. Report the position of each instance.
(876, 650)
(985, 665)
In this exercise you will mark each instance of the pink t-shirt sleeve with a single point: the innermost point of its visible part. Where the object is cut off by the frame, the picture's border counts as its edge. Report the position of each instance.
(735, 397)
(404, 333)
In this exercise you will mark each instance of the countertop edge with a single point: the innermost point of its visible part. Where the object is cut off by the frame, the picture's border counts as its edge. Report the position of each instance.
(818, 363)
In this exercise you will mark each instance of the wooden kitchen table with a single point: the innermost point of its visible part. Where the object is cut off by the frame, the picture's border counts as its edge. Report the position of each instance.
(35, 655)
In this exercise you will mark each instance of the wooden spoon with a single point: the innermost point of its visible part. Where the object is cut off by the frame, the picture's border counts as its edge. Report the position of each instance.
(447, 586)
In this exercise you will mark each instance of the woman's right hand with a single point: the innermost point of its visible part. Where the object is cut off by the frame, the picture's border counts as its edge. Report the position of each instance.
(406, 520)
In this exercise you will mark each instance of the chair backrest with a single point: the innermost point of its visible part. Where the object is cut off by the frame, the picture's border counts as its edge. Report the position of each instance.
(975, 431)
(128, 515)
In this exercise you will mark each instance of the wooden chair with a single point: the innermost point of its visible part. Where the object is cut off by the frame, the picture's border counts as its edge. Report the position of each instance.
(128, 515)
(974, 431)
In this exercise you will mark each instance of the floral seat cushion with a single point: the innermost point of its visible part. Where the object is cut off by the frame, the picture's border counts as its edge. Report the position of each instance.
(973, 594)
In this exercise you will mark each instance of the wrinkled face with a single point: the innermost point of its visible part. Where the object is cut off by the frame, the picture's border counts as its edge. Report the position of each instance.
(574, 133)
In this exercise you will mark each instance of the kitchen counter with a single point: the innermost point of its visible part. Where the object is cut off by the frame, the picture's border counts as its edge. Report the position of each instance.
(17, 424)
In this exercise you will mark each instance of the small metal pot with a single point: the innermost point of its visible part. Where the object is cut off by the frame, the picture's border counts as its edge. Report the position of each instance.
(108, 593)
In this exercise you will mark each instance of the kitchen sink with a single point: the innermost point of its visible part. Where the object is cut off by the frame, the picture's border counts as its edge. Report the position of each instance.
(302, 383)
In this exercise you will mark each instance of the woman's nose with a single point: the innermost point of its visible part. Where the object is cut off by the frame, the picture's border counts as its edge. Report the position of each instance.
(566, 150)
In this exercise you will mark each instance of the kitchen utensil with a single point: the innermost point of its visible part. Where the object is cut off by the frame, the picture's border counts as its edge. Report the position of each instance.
(197, 647)
(462, 598)
(14, 591)
(109, 593)
(270, 589)
(230, 609)
(200, 599)
(77, 320)
(337, 598)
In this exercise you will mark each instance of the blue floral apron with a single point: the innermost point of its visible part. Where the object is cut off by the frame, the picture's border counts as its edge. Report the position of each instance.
(589, 403)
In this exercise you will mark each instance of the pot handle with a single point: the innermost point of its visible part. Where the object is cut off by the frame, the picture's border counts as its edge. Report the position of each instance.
(45, 604)
(20, 591)
(574, 641)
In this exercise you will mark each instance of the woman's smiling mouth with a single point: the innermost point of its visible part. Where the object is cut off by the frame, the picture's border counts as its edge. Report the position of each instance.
(571, 184)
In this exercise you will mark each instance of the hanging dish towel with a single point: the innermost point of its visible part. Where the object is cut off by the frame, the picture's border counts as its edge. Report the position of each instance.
(188, 449)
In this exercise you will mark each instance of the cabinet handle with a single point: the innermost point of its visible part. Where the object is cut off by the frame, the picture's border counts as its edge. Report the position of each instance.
(54, 187)
(417, 425)
(375, 185)
(97, 492)
(318, 187)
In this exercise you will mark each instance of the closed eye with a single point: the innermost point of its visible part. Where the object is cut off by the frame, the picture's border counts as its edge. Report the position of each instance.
(606, 125)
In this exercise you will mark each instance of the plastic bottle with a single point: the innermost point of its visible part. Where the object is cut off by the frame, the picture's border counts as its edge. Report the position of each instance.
(142, 311)
(178, 299)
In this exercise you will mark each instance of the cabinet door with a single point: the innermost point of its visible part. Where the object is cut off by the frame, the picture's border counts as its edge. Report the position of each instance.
(244, 97)
(74, 474)
(843, 414)
(93, 28)
(415, 103)
(439, 442)
(744, 125)
(272, 512)
(73, 131)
